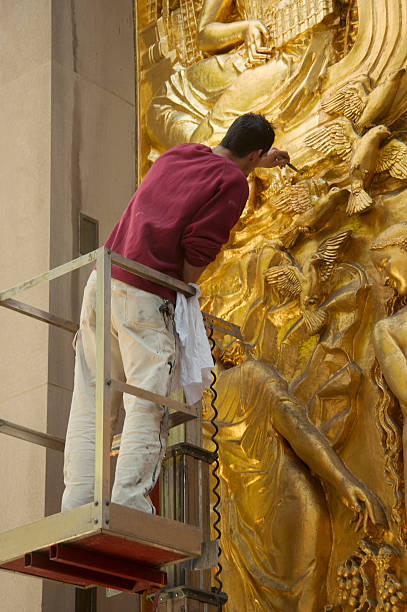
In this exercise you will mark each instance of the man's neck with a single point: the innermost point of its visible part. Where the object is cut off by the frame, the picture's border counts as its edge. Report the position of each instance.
(241, 162)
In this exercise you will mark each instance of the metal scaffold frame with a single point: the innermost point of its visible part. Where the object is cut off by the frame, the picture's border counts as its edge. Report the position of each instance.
(49, 547)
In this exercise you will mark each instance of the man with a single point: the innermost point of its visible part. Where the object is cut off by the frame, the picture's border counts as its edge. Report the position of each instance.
(176, 223)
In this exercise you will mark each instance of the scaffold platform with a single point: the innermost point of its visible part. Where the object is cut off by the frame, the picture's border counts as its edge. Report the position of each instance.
(124, 554)
(102, 543)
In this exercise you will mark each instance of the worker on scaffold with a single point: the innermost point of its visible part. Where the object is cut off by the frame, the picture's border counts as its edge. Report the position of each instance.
(176, 223)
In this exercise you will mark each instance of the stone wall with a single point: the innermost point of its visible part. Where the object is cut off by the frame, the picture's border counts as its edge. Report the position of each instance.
(67, 113)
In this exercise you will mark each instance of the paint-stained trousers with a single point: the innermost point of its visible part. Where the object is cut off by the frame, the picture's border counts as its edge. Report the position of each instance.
(142, 354)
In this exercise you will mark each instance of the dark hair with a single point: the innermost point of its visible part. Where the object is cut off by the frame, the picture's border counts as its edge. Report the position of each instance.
(248, 133)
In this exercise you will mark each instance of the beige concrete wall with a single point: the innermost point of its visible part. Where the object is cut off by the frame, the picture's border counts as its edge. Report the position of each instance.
(67, 116)
(25, 115)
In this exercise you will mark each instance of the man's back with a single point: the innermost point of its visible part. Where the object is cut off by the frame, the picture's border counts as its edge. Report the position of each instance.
(183, 210)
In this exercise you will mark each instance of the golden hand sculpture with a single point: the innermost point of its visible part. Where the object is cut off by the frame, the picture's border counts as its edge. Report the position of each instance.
(310, 445)
(389, 255)
(308, 283)
(215, 36)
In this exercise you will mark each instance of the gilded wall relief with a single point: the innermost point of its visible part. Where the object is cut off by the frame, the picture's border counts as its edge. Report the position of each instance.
(314, 395)
(368, 581)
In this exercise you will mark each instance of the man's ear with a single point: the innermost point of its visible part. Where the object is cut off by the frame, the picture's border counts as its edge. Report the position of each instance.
(254, 156)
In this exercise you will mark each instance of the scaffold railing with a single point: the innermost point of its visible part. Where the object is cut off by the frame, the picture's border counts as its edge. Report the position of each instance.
(40, 548)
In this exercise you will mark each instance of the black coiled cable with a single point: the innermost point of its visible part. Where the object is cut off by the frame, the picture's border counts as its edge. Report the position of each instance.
(215, 468)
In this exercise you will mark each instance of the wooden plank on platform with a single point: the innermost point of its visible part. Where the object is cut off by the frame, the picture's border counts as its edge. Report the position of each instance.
(61, 527)
(155, 530)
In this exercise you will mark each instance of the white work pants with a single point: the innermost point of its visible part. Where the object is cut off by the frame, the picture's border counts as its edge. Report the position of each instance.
(142, 354)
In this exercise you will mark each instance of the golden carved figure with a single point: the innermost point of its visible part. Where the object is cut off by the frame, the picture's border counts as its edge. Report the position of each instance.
(364, 154)
(311, 203)
(308, 284)
(389, 254)
(363, 105)
(258, 464)
(198, 102)
(279, 546)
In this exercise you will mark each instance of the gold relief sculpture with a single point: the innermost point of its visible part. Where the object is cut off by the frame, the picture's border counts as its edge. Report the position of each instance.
(276, 549)
(389, 254)
(363, 106)
(312, 402)
(242, 66)
(311, 203)
(309, 284)
(367, 581)
(365, 156)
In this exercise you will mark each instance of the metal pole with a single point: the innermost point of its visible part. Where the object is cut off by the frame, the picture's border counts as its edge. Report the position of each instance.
(103, 323)
(50, 275)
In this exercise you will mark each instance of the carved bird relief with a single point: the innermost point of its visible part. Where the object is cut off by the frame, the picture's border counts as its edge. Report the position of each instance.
(393, 159)
(363, 105)
(364, 154)
(309, 284)
(312, 203)
(298, 198)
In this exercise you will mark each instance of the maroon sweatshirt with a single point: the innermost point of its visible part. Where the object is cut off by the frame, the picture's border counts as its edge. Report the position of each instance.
(184, 209)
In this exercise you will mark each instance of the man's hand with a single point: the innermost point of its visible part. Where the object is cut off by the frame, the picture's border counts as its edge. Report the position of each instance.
(274, 157)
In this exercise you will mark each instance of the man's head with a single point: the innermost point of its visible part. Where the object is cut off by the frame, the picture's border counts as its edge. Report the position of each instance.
(250, 133)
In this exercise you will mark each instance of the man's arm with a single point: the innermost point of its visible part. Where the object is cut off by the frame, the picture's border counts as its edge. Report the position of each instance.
(191, 273)
(210, 227)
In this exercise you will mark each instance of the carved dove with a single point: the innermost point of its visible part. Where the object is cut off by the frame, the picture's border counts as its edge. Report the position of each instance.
(363, 106)
(362, 153)
(309, 284)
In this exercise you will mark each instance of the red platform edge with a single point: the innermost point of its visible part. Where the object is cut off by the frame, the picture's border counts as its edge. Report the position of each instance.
(99, 560)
